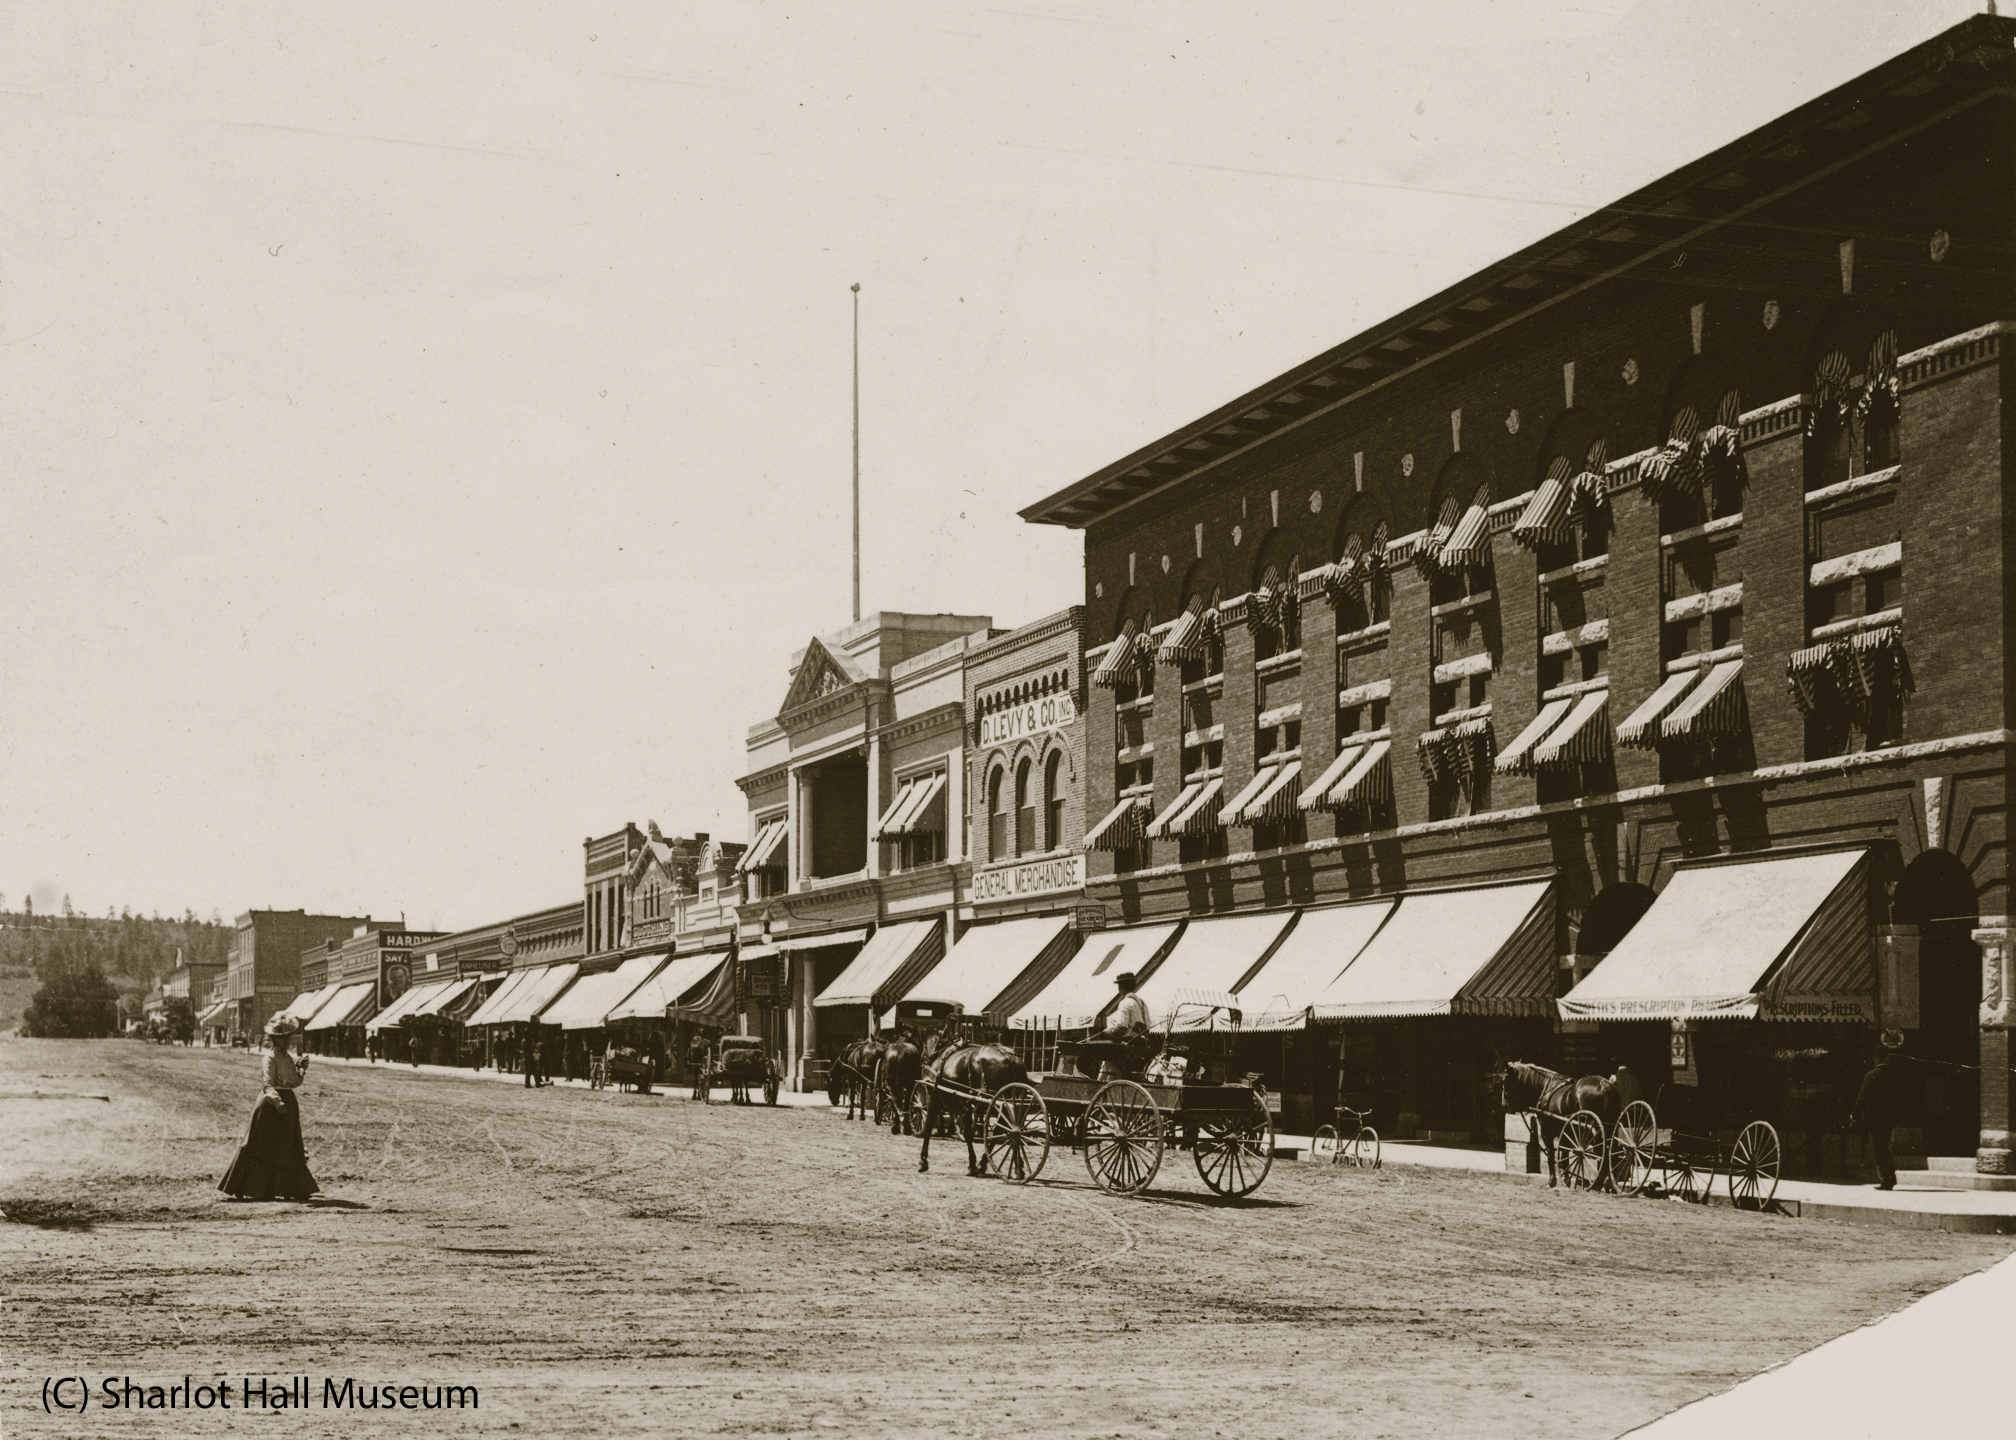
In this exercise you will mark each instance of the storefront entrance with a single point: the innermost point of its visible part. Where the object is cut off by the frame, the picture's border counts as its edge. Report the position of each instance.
(1937, 895)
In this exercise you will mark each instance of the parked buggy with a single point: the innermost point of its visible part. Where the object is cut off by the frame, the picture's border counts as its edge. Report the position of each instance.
(1674, 1151)
(739, 1063)
(622, 1067)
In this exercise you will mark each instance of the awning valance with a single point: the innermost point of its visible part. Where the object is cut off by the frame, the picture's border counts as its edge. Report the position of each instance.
(891, 962)
(444, 997)
(1713, 707)
(347, 1006)
(1485, 951)
(513, 982)
(1545, 521)
(989, 959)
(1786, 938)
(1201, 815)
(587, 1003)
(1123, 826)
(1517, 758)
(822, 940)
(1085, 986)
(408, 1000)
(762, 851)
(1118, 659)
(525, 1004)
(1212, 957)
(1581, 739)
(1460, 750)
(1185, 798)
(1315, 953)
(1640, 729)
(660, 992)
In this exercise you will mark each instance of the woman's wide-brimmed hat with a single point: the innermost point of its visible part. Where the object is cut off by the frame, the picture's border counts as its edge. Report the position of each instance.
(283, 1025)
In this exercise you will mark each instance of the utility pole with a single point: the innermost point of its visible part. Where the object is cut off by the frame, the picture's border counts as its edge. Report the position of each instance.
(857, 450)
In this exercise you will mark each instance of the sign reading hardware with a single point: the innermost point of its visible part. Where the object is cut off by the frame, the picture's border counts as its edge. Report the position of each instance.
(1038, 877)
(1052, 712)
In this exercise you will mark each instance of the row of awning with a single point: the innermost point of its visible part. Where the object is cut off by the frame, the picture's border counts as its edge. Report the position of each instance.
(912, 812)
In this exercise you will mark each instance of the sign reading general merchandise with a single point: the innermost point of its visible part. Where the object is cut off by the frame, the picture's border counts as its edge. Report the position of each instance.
(1038, 877)
(1017, 722)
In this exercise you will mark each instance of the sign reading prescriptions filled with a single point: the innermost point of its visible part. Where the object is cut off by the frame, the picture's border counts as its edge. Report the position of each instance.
(1038, 877)
(1018, 722)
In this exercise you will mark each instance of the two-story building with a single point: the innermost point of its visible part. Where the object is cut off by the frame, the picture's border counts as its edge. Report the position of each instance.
(263, 970)
(1641, 596)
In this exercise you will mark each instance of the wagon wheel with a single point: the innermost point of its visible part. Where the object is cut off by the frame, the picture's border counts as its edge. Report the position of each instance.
(1234, 1153)
(1122, 1135)
(1578, 1151)
(1633, 1155)
(1682, 1181)
(1326, 1135)
(1753, 1166)
(1365, 1148)
(886, 1108)
(1018, 1133)
(920, 1106)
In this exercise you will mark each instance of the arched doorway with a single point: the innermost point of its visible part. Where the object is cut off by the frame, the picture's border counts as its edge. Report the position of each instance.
(1937, 895)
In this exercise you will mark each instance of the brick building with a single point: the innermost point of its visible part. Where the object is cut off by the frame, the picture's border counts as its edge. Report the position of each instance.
(1673, 540)
(262, 972)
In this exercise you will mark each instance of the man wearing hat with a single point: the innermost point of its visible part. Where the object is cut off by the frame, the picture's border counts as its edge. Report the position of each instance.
(1879, 1102)
(1130, 1016)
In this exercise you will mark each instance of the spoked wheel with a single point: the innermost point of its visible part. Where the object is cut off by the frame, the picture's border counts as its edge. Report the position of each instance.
(1123, 1138)
(887, 1110)
(1578, 1151)
(700, 1088)
(920, 1106)
(1325, 1143)
(770, 1088)
(1364, 1148)
(1632, 1158)
(1018, 1133)
(1234, 1153)
(1753, 1166)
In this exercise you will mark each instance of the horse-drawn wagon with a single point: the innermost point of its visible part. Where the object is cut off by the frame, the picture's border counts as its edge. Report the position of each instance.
(1680, 1157)
(739, 1063)
(623, 1067)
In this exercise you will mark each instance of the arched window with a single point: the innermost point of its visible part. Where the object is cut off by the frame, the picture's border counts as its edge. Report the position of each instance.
(1275, 612)
(997, 816)
(1025, 811)
(1053, 801)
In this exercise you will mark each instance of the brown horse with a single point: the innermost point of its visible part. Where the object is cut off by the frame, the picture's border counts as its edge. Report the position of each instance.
(902, 1065)
(977, 1071)
(1547, 1098)
(853, 1075)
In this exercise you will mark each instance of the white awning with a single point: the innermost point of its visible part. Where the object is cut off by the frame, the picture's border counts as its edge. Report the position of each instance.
(769, 839)
(1517, 758)
(1582, 738)
(443, 996)
(815, 942)
(1185, 798)
(513, 981)
(304, 1005)
(347, 1006)
(1786, 937)
(1315, 953)
(1200, 814)
(1211, 957)
(888, 965)
(211, 1015)
(587, 1004)
(987, 960)
(1640, 729)
(1318, 793)
(1485, 951)
(1123, 826)
(650, 1000)
(912, 801)
(1262, 778)
(535, 995)
(1085, 986)
(399, 1009)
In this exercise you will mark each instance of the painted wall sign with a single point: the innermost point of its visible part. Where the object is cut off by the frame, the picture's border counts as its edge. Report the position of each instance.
(1038, 877)
(1037, 717)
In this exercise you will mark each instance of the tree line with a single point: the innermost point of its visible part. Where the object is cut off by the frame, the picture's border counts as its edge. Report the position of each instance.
(89, 968)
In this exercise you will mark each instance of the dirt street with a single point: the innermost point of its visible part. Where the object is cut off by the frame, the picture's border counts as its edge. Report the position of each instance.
(599, 1264)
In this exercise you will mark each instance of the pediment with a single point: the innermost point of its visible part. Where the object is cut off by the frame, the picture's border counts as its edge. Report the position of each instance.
(821, 673)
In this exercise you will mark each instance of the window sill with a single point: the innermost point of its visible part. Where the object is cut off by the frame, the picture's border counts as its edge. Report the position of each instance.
(1581, 569)
(1705, 659)
(1468, 602)
(1580, 687)
(1145, 704)
(1880, 620)
(1696, 532)
(1278, 662)
(1457, 717)
(1364, 737)
(1204, 737)
(1371, 632)
(1854, 485)
(1364, 694)
(1207, 683)
(1562, 641)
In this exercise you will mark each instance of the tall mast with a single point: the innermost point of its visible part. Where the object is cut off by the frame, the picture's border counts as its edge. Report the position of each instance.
(857, 451)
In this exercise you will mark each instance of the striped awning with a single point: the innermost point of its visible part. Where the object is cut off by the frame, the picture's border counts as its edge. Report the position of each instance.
(888, 966)
(1316, 795)
(1517, 758)
(1832, 396)
(1201, 817)
(1483, 951)
(1712, 708)
(348, 1006)
(1234, 812)
(1124, 826)
(1581, 739)
(1809, 677)
(214, 1013)
(1545, 520)
(1881, 667)
(1640, 729)
(1189, 637)
(1469, 543)
(911, 812)
(1369, 781)
(1277, 801)
(1185, 798)
(1785, 938)
(1345, 575)
(1459, 750)
(1117, 660)
(1428, 552)
(769, 839)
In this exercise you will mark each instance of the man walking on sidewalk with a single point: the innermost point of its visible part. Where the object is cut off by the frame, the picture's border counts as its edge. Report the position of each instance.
(1878, 1104)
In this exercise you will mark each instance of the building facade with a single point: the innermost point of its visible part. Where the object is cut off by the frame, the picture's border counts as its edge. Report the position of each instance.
(262, 973)
(1676, 537)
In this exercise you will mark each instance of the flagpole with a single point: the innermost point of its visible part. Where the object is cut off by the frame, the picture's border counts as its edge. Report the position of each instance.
(857, 451)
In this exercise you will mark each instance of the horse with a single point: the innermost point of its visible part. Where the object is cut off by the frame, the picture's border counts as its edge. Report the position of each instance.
(979, 1070)
(1548, 1098)
(853, 1074)
(901, 1067)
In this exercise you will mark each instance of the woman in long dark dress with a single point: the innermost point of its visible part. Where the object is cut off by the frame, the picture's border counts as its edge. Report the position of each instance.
(272, 1163)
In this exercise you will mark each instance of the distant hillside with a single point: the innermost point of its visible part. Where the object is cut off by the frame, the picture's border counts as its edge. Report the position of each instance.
(131, 949)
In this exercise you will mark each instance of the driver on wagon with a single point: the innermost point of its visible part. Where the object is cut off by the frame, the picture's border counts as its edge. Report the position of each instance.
(1130, 1016)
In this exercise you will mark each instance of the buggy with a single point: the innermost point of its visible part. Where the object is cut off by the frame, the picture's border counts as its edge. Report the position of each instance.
(739, 1062)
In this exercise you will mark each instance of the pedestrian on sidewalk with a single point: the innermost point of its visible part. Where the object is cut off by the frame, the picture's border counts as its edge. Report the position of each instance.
(1878, 1104)
(413, 1048)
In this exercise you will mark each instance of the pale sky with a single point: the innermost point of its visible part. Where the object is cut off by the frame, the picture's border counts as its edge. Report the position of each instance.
(425, 426)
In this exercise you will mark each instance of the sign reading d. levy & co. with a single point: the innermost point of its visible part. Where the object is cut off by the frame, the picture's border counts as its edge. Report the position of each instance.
(1038, 877)
(1052, 712)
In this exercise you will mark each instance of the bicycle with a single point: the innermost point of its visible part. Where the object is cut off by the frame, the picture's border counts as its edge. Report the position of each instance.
(1350, 1141)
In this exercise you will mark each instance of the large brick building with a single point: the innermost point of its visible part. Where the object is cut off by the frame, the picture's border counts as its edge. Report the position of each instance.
(1675, 539)
(262, 973)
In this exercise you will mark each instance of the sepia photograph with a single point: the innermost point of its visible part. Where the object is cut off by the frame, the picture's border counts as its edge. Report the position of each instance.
(750, 719)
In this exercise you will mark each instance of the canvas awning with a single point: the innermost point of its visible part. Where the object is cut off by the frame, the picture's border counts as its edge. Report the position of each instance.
(1236, 807)
(1545, 518)
(1316, 952)
(1640, 729)
(1201, 814)
(1470, 542)
(587, 1004)
(1123, 827)
(1277, 801)
(1785, 938)
(1119, 655)
(895, 959)
(1074, 998)
(1212, 957)
(989, 958)
(1185, 798)
(662, 991)
(1580, 739)
(211, 1015)
(1367, 782)
(399, 1009)
(535, 995)
(1714, 707)
(762, 850)
(1483, 951)
(716, 1002)
(347, 1006)
(443, 997)
(304, 1005)
(1517, 758)
(907, 812)
(1318, 792)
(511, 984)
(814, 942)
